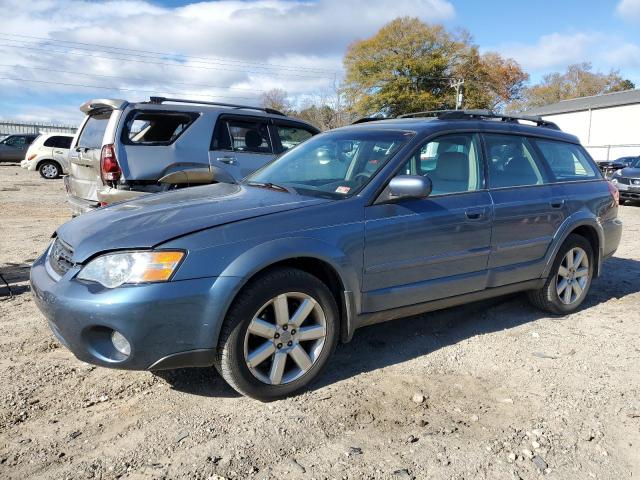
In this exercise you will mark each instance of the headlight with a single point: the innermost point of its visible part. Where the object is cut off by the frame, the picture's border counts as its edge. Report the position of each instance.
(115, 269)
(614, 180)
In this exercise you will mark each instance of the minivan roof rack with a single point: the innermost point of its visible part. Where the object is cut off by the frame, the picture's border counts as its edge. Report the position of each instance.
(160, 100)
(488, 114)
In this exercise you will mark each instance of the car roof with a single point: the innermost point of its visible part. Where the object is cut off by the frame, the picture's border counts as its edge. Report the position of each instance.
(425, 126)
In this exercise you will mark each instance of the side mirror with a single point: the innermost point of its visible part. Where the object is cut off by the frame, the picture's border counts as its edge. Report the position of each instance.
(409, 186)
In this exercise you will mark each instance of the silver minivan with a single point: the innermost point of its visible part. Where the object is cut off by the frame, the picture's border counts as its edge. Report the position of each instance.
(123, 150)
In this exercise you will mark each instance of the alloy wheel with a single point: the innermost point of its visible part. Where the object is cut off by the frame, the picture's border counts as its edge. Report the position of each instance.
(285, 338)
(573, 275)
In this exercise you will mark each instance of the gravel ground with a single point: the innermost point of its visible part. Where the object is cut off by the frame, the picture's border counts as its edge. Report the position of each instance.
(490, 390)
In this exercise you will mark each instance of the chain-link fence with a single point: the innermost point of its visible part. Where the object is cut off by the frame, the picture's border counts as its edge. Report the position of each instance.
(8, 127)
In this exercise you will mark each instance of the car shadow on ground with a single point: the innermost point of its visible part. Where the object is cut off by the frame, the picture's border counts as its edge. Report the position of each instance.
(14, 278)
(398, 341)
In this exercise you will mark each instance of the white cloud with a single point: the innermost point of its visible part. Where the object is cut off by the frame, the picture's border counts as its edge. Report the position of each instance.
(240, 38)
(551, 51)
(629, 9)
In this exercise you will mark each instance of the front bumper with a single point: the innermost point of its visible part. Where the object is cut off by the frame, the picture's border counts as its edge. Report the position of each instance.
(168, 325)
(628, 192)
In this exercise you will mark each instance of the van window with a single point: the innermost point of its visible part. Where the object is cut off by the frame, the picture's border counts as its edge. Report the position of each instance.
(242, 136)
(567, 161)
(512, 162)
(64, 142)
(156, 128)
(290, 136)
(93, 131)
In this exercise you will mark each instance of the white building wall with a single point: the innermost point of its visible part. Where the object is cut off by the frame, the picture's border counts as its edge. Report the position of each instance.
(607, 133)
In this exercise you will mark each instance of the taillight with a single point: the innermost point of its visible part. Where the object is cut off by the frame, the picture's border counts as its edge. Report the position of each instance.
(614, 193)
(110, 170)
(31, 157)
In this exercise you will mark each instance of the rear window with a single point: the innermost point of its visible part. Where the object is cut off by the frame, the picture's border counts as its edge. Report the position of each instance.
(156, 128)
(93, 131)
(566, 160)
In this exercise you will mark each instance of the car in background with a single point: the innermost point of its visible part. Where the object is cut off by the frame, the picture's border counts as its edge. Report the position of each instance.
(124, 150)
(353, 227)
(49, 155)
(14, 147)
(609, 167)
(627, 181)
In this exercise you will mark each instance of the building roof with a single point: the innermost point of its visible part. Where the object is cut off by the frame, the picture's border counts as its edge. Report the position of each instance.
(628, 97)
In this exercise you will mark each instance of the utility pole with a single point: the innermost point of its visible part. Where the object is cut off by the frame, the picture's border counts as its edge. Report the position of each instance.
(457, 84)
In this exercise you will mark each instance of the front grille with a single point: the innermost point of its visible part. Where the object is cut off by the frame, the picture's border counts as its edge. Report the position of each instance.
(60, 257)
(625, 181)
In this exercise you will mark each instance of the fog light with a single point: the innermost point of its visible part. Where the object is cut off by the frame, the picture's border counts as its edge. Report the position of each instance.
(120, 343)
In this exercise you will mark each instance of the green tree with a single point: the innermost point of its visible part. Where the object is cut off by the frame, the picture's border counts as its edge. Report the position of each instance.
(408, 66)
(577, 81)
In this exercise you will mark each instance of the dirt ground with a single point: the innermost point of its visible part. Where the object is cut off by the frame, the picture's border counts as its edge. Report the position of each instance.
(509, 393)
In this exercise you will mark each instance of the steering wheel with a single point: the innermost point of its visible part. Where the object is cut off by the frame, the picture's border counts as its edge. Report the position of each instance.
(361, 177)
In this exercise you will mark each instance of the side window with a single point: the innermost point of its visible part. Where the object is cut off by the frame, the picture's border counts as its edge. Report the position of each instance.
(250, 136)
(512, 162)
(93, 131)
(290, 136)
(51, 142)
(15, 141)
(567, 161)
(156, 128)
(64, 142)
(452, 162)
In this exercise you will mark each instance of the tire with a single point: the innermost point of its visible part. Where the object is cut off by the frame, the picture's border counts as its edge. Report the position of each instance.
(280, 373)
(49, 170)
(552, 297)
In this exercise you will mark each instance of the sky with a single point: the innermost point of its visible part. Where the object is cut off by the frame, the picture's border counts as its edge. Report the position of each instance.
(56, 54)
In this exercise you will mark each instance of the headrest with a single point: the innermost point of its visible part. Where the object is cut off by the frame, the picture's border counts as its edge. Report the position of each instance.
(252, 139)
(453, 166)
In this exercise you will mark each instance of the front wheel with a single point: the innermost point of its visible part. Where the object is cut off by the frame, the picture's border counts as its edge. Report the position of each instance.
(49, 170)
(569, 280)
(278, 335)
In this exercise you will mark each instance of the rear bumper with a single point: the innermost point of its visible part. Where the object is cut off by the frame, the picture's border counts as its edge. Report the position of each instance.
(612, 230)
(110, 195)
(78, 205)
(168, 325)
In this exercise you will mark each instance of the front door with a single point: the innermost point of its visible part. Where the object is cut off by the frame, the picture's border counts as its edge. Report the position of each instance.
(425, 249)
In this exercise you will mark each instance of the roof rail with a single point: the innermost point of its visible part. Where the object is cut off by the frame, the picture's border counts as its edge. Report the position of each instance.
(160, 100)
(424, 113)
(488, 114)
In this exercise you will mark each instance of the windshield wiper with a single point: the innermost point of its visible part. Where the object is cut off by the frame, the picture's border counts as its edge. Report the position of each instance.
(270, 185)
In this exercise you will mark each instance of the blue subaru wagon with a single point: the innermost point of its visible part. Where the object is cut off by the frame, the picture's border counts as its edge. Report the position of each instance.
(360, 225)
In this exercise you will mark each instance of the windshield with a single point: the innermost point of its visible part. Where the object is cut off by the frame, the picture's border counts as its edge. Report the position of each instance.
(336, 164)
(635, 163)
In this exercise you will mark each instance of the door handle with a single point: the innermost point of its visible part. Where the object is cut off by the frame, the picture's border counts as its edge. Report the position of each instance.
(557, 203)
(227, 160)
(58, 152)
(475, 213)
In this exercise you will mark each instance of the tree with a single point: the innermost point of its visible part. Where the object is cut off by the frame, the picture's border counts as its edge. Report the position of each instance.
(409, 65)
(277, 99)
(577, 81)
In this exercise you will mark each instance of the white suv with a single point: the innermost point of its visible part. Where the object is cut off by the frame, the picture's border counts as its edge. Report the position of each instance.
(49, 155)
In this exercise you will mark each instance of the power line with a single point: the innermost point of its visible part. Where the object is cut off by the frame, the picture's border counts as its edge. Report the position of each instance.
(156, 92)
(154, 55)
(131, 78)
(157, 63)
(214, 60)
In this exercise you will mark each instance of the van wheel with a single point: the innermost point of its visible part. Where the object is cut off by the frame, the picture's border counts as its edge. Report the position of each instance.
(49, 170)
(569, 280)
(278, 335)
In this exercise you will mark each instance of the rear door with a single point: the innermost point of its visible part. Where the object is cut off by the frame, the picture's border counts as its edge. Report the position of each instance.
(528, 208)
(241, 144)
(61, 151)
(84, 176)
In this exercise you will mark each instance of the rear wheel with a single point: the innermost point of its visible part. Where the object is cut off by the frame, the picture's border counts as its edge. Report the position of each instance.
(49, 170)
(278, 334)
(570, 278)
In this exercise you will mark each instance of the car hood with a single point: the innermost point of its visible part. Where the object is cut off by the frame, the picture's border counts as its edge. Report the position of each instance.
(630, 172)
(154, 219)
